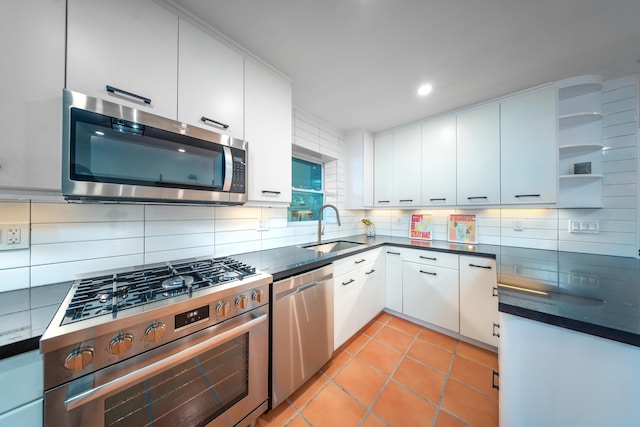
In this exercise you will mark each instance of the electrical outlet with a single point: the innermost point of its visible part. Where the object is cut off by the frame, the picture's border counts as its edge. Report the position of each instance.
(263, 224)
(14, 236)
(517, 225)
(584, 226)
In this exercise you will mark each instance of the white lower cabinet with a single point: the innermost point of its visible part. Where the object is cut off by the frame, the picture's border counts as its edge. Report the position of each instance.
(21, 390)
(358, 293)
(479, 299)
(430, 293)
(393, 279)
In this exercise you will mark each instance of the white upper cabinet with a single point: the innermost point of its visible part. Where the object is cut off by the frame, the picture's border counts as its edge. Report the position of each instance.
(439, 162)
(406, 155)
(31, 103)
(383, 170)
(478, 156)
(130, 46)
(359, 170)
(210, 83)
(529, 168)
(268, 133)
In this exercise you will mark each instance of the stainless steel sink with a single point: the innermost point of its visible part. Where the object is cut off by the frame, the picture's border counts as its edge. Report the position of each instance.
(332, 247)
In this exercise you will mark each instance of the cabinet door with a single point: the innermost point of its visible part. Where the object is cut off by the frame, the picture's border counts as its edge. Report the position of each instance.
(478, 156)
(382, 170)
(529, 170)
(393, 279)
(406, 155)
(478, 299)
(210, 83)
(372, 295)
(31, 103)
(130, 45)
(431, 294)
(268, 133)
(345, 316)
(439, 162)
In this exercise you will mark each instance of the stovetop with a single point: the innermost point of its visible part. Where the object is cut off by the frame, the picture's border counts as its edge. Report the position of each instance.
(107, 294)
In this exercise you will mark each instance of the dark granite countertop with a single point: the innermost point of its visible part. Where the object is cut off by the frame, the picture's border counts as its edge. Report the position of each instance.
(594, 294)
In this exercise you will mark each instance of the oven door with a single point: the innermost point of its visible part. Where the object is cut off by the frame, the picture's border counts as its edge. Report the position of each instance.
(214, 377)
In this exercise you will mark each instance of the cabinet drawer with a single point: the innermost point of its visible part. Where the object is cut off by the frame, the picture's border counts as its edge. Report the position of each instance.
(354, 262)
(439, 259)
(23, 377)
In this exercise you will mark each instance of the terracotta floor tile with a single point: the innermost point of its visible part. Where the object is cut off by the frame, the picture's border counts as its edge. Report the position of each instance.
(301, 396)
(478, 355)
(400, 407)
(339, 359)
(373, 421)
(471, 406)
(332, 407)
(278, 416)
(354, 344)
(361, 381)
(380, 356)
(298, 422)
(371, 328)
(404, 325)
(474, 375)
(425, 381)
(383, 317)
(447, 420)
(431, 355)
(436, 338)
(394, 338)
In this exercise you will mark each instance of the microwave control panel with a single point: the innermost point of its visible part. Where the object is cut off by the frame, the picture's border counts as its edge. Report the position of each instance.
(238, 182)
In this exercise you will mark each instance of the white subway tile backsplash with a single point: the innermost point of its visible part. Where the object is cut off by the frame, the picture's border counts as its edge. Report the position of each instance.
(618, 83)
(179, 241)
(14, 212)
(172, 213)
(619, 130)
(163, 228)
(64, 271)
(618, 106)
(619, 142)
(76, 251)
(179, 254)
(228, 237)
(233, 212)
(224, 225)
(15, 258)
(71, 212)
(84, 231)
(237, 248)
(628, 116)
(14, 278)
(617, 94)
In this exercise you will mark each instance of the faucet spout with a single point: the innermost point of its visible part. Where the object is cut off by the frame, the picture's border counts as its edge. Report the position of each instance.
(320, 232)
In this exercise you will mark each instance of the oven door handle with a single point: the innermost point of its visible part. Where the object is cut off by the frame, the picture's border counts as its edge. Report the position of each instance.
(237, 328)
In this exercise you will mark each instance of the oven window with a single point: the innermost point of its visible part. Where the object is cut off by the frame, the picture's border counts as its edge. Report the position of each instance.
(191, 394)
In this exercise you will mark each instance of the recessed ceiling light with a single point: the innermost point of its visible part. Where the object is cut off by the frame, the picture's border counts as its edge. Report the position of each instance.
(425, 90)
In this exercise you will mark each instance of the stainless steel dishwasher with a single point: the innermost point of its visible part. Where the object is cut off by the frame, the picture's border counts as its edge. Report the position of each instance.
(302, 339)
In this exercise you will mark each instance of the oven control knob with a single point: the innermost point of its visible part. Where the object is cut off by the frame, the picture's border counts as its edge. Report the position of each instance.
(155, 331)
(241, 301)
(79, 358)
(222, 309)
(257, 296)
(121, 344)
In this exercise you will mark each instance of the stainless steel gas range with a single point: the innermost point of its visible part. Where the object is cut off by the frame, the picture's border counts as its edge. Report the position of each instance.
(179, 343)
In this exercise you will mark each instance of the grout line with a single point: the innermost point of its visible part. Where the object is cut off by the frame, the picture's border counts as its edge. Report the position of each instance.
(446, 381)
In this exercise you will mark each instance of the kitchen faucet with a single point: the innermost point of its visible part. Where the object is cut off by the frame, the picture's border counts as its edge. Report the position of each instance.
(320, 229)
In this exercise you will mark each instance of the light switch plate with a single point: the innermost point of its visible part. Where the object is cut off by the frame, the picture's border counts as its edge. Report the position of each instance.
(584, 226)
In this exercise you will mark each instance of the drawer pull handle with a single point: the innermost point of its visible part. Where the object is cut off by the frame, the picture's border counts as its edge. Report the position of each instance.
(113, 90)
(429, 258)
(393, 253)
(439, 199)
(496, 334)
(348, 282)
(527, 195)
(495, 291)
(477, 197)
(406, 200)
(270, 192)
(428, 272)
(206, 119)
(488, 267)
(383, 201)
(493, 380)
(369, 272)
(361, 261)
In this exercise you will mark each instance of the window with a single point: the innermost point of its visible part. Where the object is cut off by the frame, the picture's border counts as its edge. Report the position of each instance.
(307, 195)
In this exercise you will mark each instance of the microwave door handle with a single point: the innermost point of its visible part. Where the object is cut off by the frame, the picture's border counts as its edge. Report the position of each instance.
(228, 169)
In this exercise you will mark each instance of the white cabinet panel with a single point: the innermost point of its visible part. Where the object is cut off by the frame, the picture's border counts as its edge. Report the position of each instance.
(359, 170)
(210, 82)
(439, 162)
(29, 415)
(268, 133)
(479, 299)
(132, 46)
(346, 290)
(435, 258)
(33, 77)
(383, 171)
(372, 297)
(393, 277)
(406, 167)
(431, 294)
(529, 169)
(478, 156)
(22, 380)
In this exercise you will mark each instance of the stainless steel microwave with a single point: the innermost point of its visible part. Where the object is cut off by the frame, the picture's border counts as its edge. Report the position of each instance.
(112, 153)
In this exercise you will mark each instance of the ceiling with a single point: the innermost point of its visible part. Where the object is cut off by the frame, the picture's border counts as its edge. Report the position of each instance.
(357, 64)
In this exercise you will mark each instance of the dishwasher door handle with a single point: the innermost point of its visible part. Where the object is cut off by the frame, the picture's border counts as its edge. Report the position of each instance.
(290, 292)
